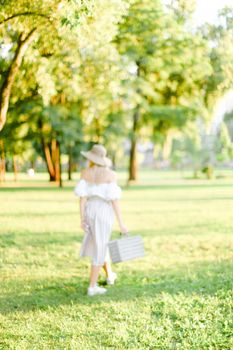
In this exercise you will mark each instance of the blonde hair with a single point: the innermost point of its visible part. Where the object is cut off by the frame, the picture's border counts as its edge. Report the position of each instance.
(98, 174)
(91, 164)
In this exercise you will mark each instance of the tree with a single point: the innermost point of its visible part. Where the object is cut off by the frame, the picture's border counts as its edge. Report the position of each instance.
(224, 145)
(100, 72)
(53, 82)
(20, 28)
(228, 118)
(14, 145)
(70, 20)
(219, 39)
(169, 65)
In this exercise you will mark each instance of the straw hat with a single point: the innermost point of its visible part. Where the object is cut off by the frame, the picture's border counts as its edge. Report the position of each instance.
(97, 155)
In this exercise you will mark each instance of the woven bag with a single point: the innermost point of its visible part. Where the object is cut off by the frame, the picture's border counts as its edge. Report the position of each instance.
(126, 248)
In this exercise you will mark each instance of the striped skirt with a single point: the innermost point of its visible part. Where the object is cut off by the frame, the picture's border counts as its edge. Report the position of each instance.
(99, 216)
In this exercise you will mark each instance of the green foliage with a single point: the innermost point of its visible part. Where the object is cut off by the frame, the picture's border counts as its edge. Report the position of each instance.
(65, 71)
(104, 60)
(170, 117)
(190, 147)
(219, 38)
(224, 145)
(170, 63)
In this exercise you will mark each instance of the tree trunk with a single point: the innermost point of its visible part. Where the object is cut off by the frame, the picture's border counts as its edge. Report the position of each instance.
(133, 161)
(47, 152)
(133, 149)
(2, 161)
(57, 161)
(69, 163)
(1, 171)
(5, 91)
(59, 168)
(55, 149)
(53, 160)
(49, 162)
(15, 167)
(32, 163)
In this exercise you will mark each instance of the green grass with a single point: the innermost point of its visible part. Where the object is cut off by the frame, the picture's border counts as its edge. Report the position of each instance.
(178, 297)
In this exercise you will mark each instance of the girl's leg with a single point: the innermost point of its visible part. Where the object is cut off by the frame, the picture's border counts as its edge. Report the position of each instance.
(107, 268)
(95, 270)
(107, 264)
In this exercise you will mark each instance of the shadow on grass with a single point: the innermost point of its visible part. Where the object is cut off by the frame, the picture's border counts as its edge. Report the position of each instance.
(176, 186)
(135, 187)
(177, 199)
(38, 239)
(45, 200)
(36, 188)
(39, 214)
(203, 279)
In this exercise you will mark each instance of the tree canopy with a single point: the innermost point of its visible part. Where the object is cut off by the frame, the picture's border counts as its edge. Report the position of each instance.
(78, 72)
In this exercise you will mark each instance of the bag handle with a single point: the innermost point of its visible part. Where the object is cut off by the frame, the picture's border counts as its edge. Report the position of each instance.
(124, 235)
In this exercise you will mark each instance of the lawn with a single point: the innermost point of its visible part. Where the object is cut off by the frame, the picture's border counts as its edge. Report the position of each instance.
(180, 296)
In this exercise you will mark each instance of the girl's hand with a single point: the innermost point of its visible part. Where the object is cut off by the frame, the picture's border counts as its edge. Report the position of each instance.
(84, 225)
(124, 230)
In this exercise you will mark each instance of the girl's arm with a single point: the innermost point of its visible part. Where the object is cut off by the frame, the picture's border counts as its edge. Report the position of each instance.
(82, 204)
(117, 211)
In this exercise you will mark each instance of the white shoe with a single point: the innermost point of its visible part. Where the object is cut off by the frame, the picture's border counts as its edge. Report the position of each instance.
(111, 280)
(96, 290)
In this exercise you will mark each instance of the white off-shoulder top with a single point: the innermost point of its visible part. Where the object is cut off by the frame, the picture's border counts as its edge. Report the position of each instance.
(107, 191)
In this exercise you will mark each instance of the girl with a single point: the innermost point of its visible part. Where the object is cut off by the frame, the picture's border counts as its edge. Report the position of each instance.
(99, 201)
